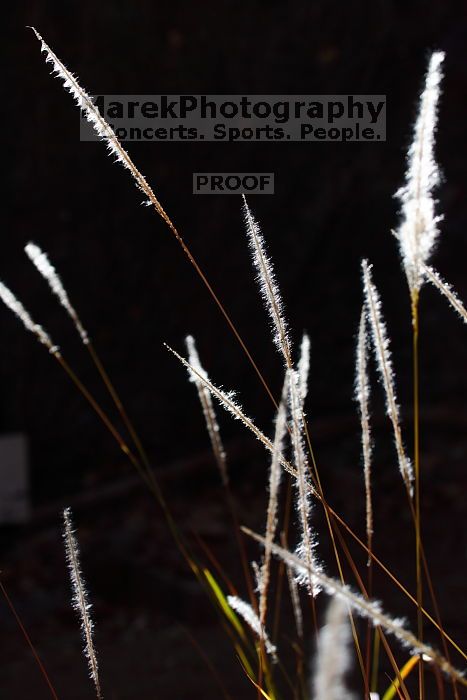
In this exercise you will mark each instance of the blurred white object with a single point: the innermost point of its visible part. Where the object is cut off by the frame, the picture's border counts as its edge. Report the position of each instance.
(14, 478)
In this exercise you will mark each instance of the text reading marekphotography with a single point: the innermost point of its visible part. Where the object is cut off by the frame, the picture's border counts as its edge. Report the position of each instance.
(233, 118)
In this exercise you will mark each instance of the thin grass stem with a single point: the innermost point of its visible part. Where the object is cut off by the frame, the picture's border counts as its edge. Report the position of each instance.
(416, 419)
(26, 636)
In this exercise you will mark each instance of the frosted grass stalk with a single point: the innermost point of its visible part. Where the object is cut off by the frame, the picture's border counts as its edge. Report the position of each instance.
(9, 299)
(418, 230)
(268, 285)
(308, 543)
(80, 599)
(275, 471)
(227, 401)
(294, 595)
(102, 128)
(381, 347)
(435, 278)
(332, 660)
(362, 395)
(42, 263)
(251, 618)
(303, 367)
(208, 409)
(369, 609)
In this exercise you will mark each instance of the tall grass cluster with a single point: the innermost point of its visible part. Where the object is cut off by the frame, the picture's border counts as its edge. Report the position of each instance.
(339, 626)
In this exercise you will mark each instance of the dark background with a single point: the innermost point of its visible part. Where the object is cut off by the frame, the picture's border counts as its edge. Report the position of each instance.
(134, 289)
